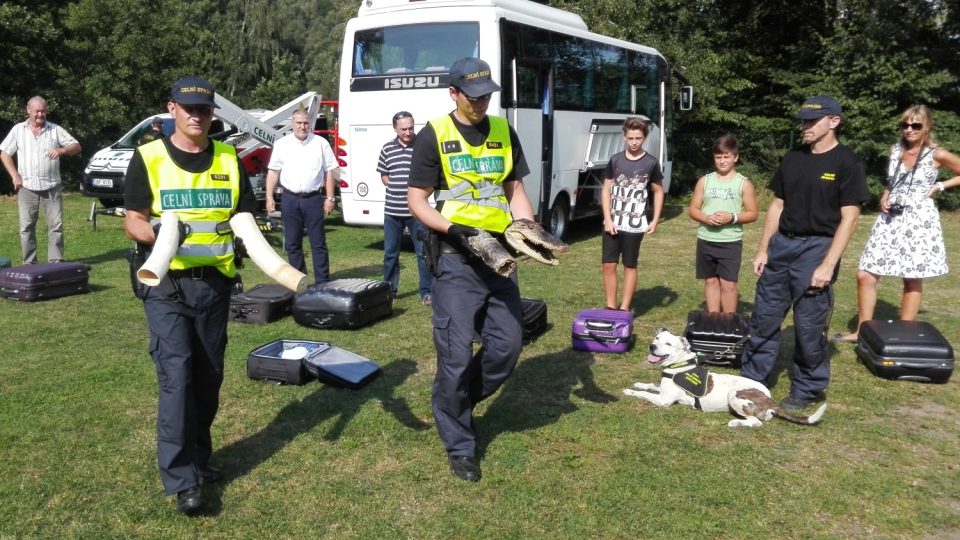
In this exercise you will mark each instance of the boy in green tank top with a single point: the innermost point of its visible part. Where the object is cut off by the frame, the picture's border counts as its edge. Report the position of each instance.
(722, 202)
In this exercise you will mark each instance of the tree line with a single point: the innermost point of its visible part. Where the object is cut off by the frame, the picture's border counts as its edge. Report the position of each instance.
(104, 64)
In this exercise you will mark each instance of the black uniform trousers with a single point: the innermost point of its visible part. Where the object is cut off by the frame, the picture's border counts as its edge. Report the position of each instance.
(470, 299)
(785, 284)
(305, 212)
(188, 337)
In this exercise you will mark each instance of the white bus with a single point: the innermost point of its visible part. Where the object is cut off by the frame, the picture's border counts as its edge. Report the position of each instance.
(566, 91)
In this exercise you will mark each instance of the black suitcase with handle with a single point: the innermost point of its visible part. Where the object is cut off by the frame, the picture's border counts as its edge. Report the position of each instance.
(905, 350)
(261, 304)
(343, 303)
(718, 337)
(44, 281)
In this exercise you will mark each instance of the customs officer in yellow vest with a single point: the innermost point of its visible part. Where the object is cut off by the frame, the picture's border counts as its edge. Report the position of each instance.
(476, 165)
(203, 182)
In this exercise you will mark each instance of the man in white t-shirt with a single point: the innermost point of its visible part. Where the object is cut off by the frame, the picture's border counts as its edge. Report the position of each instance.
(36, 177)
(303, 164)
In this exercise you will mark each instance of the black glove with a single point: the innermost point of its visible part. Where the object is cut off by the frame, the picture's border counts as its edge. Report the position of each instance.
(458, 234)
(184, 231)
(239, 251)
(461, 232)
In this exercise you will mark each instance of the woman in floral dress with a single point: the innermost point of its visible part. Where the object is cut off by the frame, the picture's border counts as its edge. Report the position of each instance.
(906, 240)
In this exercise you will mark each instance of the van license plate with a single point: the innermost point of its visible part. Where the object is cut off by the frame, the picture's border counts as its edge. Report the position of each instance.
(103, 182)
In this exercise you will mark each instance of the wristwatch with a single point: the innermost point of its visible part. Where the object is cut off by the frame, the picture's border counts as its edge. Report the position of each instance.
(332, 199)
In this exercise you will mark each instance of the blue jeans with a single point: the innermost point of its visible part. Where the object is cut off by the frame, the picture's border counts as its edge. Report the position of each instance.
(392, 237)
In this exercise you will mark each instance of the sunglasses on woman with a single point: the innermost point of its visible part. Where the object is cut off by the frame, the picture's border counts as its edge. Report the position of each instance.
(916, 126)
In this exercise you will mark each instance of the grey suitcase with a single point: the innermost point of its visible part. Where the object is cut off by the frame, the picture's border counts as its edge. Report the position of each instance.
(905, 350)
(343, 303)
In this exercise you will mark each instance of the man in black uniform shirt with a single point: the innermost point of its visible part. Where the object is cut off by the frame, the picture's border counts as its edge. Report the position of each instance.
(203, 182)
(476, 164)
(818, 193)
(155, 132)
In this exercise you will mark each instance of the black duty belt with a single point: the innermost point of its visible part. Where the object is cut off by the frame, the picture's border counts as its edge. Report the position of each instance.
(197, 273)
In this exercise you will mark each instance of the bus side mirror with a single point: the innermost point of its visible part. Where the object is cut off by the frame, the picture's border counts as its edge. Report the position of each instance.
(686, 98)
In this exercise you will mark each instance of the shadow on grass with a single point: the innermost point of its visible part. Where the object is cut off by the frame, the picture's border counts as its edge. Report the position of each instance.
(301, 416)
(538, 394)
(646, 299)
(883, 311)
(370, 271)
(113, 255)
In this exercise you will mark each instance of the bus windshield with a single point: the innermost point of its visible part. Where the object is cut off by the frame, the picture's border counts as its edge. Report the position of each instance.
(413, 48)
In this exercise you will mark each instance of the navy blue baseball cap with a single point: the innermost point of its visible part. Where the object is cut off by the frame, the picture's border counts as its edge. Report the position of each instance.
(192, 91)
(472, 77)
(819, 106)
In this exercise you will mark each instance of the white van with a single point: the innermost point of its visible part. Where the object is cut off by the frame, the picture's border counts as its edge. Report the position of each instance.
(104, 175)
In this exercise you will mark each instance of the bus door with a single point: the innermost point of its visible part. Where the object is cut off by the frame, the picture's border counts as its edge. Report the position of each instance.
(532, 118)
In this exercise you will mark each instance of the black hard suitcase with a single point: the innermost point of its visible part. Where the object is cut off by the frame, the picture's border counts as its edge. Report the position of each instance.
(338, 367)
(718, 337)
(261, 304)
(32, 282)
(534, 318)
(267, 362)
(343, 303)
(906, 350)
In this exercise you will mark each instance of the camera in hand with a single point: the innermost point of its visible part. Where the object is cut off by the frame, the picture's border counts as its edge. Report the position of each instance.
(896, 209)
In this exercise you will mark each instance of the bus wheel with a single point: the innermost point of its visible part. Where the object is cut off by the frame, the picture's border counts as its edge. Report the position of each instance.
(560, 217)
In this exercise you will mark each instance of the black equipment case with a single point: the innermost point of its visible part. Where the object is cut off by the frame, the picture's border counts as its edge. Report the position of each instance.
(261, 304)
(907, 350)
(534, 318)
(32, 282)
(718, 337)
(343, 303)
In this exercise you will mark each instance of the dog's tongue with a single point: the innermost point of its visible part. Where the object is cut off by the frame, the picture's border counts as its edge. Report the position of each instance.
(653, 359)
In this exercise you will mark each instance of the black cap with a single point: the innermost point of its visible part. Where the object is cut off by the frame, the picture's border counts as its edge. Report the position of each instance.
(472, 77)
(192, 91)
(819, 106)
(157, 121)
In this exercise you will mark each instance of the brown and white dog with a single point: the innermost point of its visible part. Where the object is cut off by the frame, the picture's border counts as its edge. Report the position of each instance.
(683, 381)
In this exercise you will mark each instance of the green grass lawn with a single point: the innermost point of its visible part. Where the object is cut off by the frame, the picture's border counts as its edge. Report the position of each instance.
(564, 453)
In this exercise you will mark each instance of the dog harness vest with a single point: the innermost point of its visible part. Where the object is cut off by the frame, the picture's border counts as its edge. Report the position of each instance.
(694, 381)
(201, 200)
(475, 175)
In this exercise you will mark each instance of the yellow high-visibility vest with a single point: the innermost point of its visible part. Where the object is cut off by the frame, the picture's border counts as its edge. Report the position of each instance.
(201, 200)
(475, 175)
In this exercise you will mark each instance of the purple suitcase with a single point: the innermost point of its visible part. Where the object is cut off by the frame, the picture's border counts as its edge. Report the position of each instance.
(44, 281)
(603, 330)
